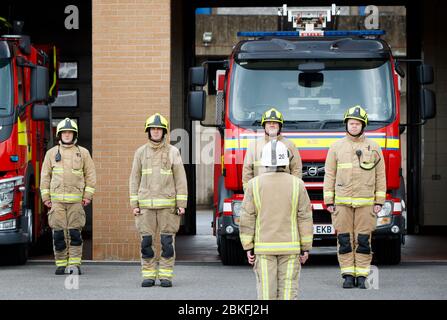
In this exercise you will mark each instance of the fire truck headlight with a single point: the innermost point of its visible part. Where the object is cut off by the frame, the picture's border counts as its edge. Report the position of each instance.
(384, 216)
(237, 211)
(6, 197)
(387, 209)
(6, 186)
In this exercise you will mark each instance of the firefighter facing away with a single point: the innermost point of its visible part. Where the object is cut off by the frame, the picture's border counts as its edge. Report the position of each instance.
(272, 121)
(158, 197)
(354, 192)
(276, 227)
(68, 180)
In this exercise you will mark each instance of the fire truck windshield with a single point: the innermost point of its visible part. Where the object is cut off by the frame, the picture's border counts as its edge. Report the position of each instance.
(6, 93)
(314, 96)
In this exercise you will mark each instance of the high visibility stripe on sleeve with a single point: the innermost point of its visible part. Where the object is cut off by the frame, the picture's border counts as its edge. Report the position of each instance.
(44, 191)
(380, 194)
(146, 171)
(134, 197)
(163, 171)
(181, 197)
(90, 189)
(328, 194)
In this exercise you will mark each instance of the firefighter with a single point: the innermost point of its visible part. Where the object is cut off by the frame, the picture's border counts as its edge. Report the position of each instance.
(354, 192)
(272, 121)
(276, 227)
(68, 180)
(158, 197)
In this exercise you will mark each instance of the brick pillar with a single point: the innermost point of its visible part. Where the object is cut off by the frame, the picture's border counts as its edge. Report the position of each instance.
(131, 80)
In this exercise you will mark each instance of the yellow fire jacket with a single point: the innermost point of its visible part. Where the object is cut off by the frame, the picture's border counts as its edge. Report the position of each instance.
(345, 182)
(276, 215)
(158, 178)
(69, 180)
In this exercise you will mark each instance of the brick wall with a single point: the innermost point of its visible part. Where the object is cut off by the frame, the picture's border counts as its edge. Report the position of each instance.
(131, 80)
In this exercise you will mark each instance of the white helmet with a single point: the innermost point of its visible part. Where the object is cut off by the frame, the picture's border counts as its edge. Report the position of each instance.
(275, 154)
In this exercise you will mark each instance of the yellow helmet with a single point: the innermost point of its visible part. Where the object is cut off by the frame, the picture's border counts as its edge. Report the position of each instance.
(272, 115)
(156, 121)
(357, 113)
(67, 125)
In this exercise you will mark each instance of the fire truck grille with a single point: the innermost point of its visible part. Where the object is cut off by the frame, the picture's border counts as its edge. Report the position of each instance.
(313, 171)
(315, 194)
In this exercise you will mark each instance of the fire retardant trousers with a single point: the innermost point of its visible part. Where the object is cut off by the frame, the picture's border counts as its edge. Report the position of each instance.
(277, 276)
(66, 221)
(354, 227)
(148, 223)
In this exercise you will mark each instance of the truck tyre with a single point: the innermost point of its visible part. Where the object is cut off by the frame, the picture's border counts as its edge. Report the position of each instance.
(16, 254)
(387, 251)
(231, 252)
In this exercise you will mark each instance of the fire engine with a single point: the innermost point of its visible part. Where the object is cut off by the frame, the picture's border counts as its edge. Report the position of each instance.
(25, 91)
(311, 75)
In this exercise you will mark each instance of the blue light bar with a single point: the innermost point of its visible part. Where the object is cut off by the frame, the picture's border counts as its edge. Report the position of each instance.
(328, 33)
(14, 158)
(338, 33)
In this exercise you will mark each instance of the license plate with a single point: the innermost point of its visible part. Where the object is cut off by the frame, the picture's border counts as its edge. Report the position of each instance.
(324, 229)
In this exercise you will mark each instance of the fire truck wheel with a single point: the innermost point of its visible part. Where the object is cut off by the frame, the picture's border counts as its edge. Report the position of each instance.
(387, 251)
(231, 252)
(14, 255)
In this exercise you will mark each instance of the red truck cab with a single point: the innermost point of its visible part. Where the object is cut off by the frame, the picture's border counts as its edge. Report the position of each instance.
(24, 93)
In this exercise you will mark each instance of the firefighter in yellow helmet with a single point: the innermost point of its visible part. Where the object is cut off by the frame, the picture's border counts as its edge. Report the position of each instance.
(276, 227)
(272, 121)
(158, 198)
(354, 192)
(67, 184)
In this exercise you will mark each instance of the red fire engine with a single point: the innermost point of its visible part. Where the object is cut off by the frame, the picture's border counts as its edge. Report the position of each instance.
(25, 91)
(312, 76)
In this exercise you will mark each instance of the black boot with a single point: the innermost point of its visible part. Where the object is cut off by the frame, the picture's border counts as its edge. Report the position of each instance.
(349, 282)
(361, 282)
(148, 283)
(165, 283)
(60, 271)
